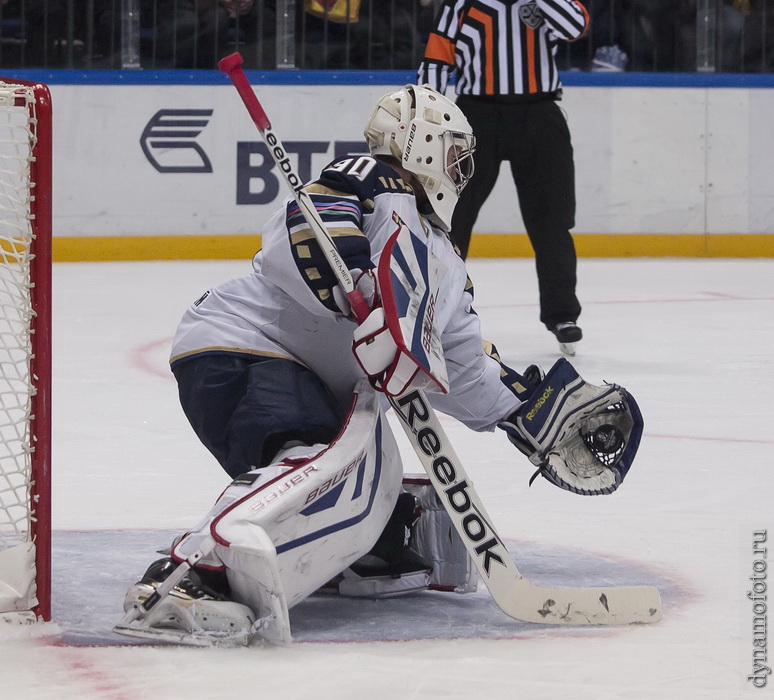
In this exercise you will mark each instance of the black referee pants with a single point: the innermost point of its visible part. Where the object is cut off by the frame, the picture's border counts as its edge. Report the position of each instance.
(534, 138)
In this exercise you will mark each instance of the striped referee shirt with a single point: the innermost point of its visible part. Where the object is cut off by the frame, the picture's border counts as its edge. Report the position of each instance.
(500, 47)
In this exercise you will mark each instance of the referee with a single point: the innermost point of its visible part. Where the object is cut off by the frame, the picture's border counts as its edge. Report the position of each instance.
(502, 55)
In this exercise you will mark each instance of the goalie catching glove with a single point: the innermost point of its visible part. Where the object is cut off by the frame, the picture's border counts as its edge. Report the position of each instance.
(583, 438)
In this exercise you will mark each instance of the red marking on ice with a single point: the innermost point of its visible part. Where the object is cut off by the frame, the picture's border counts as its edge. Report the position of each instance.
(103, 683)
(144, 358)
(711, 439)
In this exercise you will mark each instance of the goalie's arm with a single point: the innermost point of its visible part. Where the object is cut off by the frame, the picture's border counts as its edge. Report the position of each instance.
(477, 395)
(582, 438)
(344, 196)
(313, 272)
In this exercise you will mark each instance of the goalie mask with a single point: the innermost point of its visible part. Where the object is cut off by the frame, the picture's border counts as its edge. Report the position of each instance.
(431, 138)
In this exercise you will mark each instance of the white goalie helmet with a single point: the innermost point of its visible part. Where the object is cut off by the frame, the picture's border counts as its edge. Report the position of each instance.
(431, 138)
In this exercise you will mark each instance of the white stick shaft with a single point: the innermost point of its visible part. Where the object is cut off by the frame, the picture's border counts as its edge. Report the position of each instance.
(232, 66)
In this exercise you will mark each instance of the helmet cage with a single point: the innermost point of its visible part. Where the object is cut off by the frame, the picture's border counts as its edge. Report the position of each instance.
(459, 149)
(432, 139)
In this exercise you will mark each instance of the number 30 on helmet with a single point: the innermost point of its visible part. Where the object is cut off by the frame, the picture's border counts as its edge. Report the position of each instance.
(430, 137)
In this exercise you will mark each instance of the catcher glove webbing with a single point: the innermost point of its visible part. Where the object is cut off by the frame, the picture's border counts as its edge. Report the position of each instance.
(584, 437)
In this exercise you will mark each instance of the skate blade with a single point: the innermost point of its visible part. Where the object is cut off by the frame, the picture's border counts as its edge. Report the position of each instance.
(22, 617)
(190, 639)
(568, 349)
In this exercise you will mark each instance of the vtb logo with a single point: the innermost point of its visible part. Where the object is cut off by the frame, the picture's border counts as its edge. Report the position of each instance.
(169, 141)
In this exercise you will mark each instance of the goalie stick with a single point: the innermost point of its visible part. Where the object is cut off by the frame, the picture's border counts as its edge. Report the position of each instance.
(516, 596)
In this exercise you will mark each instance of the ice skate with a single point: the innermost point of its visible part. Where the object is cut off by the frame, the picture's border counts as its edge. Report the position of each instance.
(191, 614)
(568, 334)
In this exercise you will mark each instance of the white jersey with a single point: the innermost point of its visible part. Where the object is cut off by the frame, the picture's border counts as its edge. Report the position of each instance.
(285, 308)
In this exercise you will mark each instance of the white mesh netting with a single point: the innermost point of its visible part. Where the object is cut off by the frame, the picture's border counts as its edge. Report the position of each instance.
(17, 138)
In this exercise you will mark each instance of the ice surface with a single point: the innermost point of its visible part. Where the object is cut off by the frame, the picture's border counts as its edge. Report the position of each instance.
(692, 340)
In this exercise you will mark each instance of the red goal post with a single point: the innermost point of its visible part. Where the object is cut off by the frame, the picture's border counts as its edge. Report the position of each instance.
(25, 350)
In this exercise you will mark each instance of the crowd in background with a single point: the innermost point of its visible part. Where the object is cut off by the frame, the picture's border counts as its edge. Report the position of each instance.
(662, 35)
(633, 35)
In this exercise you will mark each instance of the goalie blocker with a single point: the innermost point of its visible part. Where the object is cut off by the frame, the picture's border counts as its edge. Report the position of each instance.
(398, 344)
(583, 438)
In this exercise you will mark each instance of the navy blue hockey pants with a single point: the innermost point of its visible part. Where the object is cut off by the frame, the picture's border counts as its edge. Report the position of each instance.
(245, 409)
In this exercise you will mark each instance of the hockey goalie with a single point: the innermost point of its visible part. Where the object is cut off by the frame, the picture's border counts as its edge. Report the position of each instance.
(286, 389)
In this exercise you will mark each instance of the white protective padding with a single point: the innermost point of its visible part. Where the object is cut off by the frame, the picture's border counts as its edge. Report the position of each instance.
(386, 586)
(254, 570)
(435, 540)
(282, 538)
(17, 582)
(409, 282)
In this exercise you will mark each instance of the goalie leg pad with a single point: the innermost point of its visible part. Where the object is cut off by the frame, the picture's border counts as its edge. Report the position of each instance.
(432, 557)
(255, 578)
(390, 568)
(435, 540)
(284, 530)
(359, 583)
(323, 508)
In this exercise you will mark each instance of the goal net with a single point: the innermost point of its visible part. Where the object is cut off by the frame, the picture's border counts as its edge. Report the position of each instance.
(25, 358)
